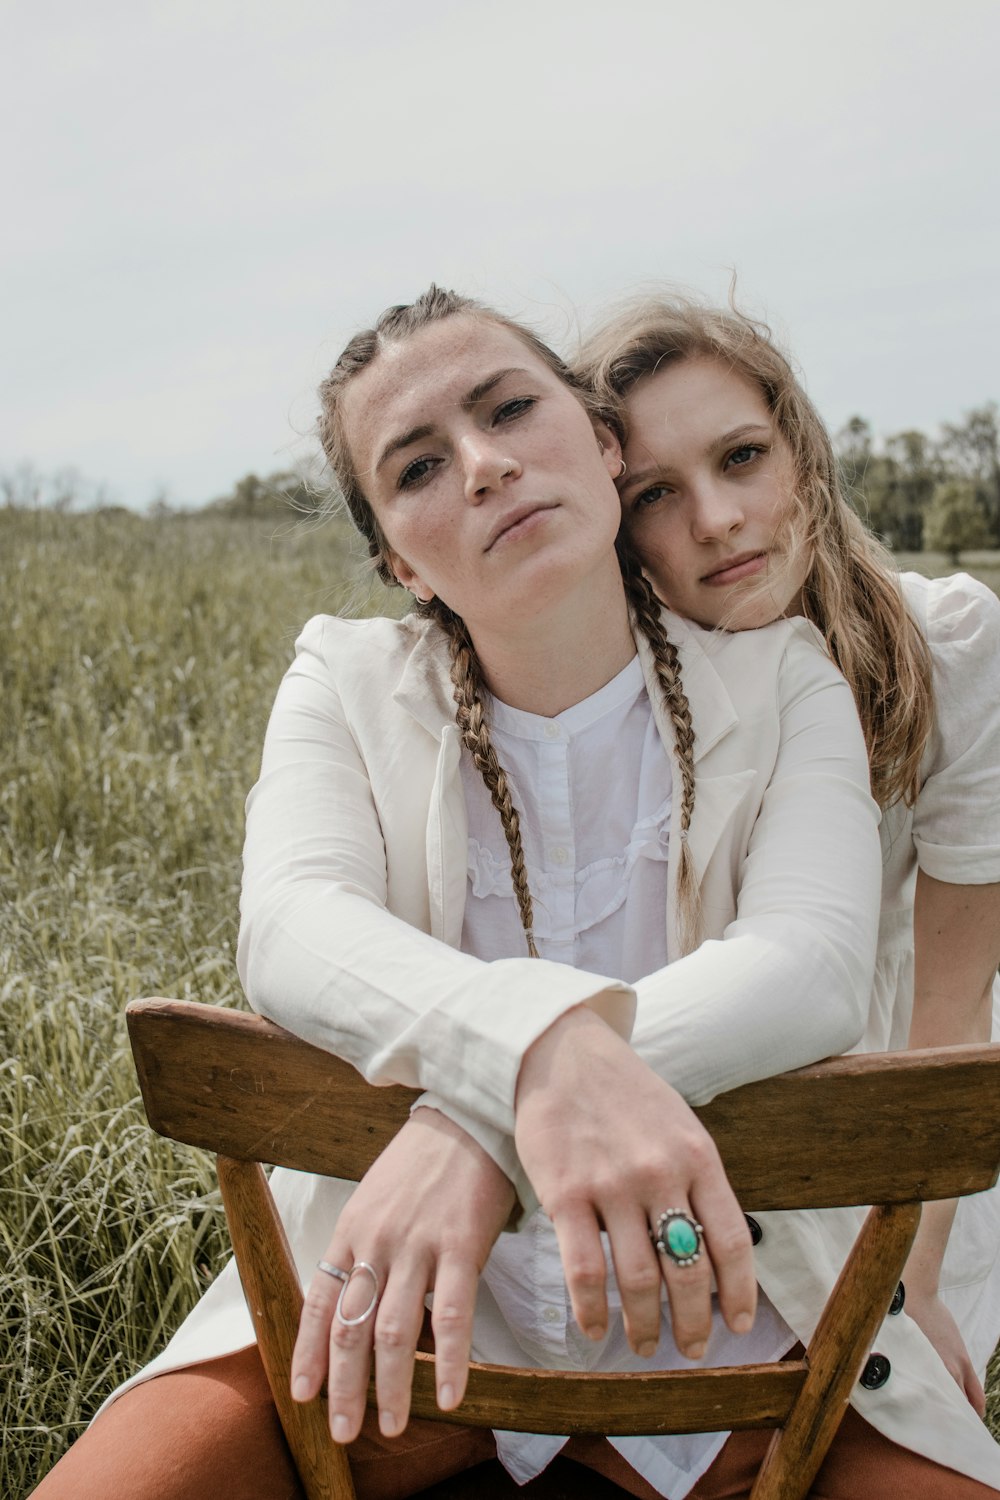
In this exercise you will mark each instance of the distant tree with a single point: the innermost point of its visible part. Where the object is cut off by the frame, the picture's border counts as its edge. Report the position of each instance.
(853, 446)
(955, 520)
(271, 497)
(971, 450)
(913, 470)
(22, 488)
(160, 505)
(27, 488)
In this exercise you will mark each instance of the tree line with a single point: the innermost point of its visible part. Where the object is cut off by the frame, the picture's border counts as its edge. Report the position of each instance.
(925, 494)
(917, 492)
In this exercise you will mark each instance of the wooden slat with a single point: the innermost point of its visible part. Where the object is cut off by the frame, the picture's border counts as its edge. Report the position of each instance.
(234, 1083)
(716, 1400)
(838, 1350)
(274, 1297)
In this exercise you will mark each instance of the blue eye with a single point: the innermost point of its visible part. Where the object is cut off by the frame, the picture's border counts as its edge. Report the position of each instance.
(745, 454)
(511, 410)
(415, 473)
(650, 496)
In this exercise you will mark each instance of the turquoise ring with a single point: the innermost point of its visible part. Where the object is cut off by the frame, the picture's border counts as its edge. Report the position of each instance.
(678, 1237)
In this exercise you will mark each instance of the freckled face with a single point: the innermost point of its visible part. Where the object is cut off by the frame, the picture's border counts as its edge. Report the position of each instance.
(708, 485)
(485, 472)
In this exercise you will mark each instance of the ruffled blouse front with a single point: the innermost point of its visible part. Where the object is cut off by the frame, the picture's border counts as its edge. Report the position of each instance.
(595, 834)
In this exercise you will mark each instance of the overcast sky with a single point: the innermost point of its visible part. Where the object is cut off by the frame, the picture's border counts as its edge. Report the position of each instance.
(204, 199)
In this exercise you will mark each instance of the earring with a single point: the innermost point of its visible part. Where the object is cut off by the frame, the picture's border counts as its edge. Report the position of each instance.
(623, 470)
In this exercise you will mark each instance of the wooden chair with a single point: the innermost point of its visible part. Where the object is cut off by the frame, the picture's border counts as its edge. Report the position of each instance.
(889, 1130)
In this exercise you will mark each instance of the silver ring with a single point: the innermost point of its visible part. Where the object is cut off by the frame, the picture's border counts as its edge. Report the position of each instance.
(678, 1237)
(359, 1265)
(331, 1270)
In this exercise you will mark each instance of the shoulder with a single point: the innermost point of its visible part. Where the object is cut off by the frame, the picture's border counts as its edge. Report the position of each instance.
(748, 661)
(345, 648)
(959, 617)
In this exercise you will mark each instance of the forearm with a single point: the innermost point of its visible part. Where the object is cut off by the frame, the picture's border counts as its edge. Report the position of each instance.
(321, 953)
(923, 1266)
(956, 950)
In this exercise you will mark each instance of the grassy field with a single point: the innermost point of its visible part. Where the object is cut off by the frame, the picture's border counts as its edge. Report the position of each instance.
(139, 659)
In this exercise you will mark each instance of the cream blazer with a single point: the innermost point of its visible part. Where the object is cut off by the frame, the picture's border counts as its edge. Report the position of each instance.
(354, 888)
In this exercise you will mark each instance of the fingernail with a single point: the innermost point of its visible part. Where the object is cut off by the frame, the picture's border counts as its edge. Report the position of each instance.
(647, 1350)
(446, 1397)
(387, 1423)
(695, 1351)
(743, 1322)
(594, 1332)
(340, 1427)
(300, 1388)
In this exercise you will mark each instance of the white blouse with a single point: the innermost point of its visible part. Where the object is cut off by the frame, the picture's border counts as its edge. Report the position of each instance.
(593, 790)
(952, 833)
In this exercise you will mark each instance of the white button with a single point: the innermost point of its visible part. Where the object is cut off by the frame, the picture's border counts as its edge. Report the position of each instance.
(559, 855)
(552, 731)
(551, 1315)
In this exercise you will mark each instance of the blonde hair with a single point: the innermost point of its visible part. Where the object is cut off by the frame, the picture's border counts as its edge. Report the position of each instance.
(852, 592)
(394, 326)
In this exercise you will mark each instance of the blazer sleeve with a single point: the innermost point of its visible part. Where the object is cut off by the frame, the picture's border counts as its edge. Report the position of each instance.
(320, 953)
(790, 979)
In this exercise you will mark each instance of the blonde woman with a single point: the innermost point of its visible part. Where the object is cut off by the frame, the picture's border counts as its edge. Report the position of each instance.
(733, 501)
(482, 851)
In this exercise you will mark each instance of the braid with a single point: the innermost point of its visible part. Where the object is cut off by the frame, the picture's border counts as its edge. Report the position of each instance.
(646, 609)
(467, 682)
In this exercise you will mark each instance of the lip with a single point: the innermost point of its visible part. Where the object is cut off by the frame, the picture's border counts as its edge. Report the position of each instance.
(743, 565)
(512, 519)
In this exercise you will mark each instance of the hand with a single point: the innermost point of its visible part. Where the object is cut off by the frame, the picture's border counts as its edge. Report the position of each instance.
(425, 1216)
(607, 1144)
(933, 1318)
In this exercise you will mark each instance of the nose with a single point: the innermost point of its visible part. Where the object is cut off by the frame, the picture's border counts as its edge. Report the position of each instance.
(486, 464)
(716, 511)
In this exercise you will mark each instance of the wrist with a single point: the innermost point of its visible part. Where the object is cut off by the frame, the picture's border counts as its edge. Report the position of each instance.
(540, 1063)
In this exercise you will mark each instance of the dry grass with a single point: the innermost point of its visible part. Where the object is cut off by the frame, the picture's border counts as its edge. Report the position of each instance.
(138, 662)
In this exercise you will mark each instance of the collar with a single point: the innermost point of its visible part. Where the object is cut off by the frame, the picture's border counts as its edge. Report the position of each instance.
(424, 687)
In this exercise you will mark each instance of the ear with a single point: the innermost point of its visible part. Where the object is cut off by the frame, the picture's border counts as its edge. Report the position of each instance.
(611, 448)
(409, 579)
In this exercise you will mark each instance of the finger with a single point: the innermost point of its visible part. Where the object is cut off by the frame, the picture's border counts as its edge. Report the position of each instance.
(451, 1318)
(689, 1288)
(398, 1323)
(584, 1267)
(638, 1275)
(310, 1357)
(350, 1357)
(730, 1248)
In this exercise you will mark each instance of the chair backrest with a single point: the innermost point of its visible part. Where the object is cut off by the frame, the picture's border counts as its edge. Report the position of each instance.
(890, 1130)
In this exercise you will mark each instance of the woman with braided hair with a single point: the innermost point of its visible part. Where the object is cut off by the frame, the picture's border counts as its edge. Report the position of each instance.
(489, 844)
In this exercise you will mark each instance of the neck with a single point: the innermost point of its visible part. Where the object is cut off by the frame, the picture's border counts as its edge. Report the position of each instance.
(561, 655)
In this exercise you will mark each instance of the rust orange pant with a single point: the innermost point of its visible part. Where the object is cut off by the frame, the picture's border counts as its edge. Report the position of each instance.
(211, 1430)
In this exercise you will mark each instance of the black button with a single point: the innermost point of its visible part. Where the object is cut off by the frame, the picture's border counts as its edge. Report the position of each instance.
(876, 1372)
(898, 1298)
(756, 1233)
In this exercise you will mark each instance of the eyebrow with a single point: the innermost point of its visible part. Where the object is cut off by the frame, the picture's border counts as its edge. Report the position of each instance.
(472, 397)
(642, 475)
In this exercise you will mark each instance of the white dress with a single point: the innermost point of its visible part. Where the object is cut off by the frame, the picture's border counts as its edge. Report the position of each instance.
(953, 834)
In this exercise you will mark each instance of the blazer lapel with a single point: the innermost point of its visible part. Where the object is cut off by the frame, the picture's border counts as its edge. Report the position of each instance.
(714, 717)
(424, 691)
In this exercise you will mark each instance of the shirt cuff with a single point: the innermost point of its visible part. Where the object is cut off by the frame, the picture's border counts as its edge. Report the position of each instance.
(499, 1147)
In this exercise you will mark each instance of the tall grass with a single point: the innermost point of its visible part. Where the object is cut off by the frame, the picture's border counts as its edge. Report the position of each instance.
(138, 662)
